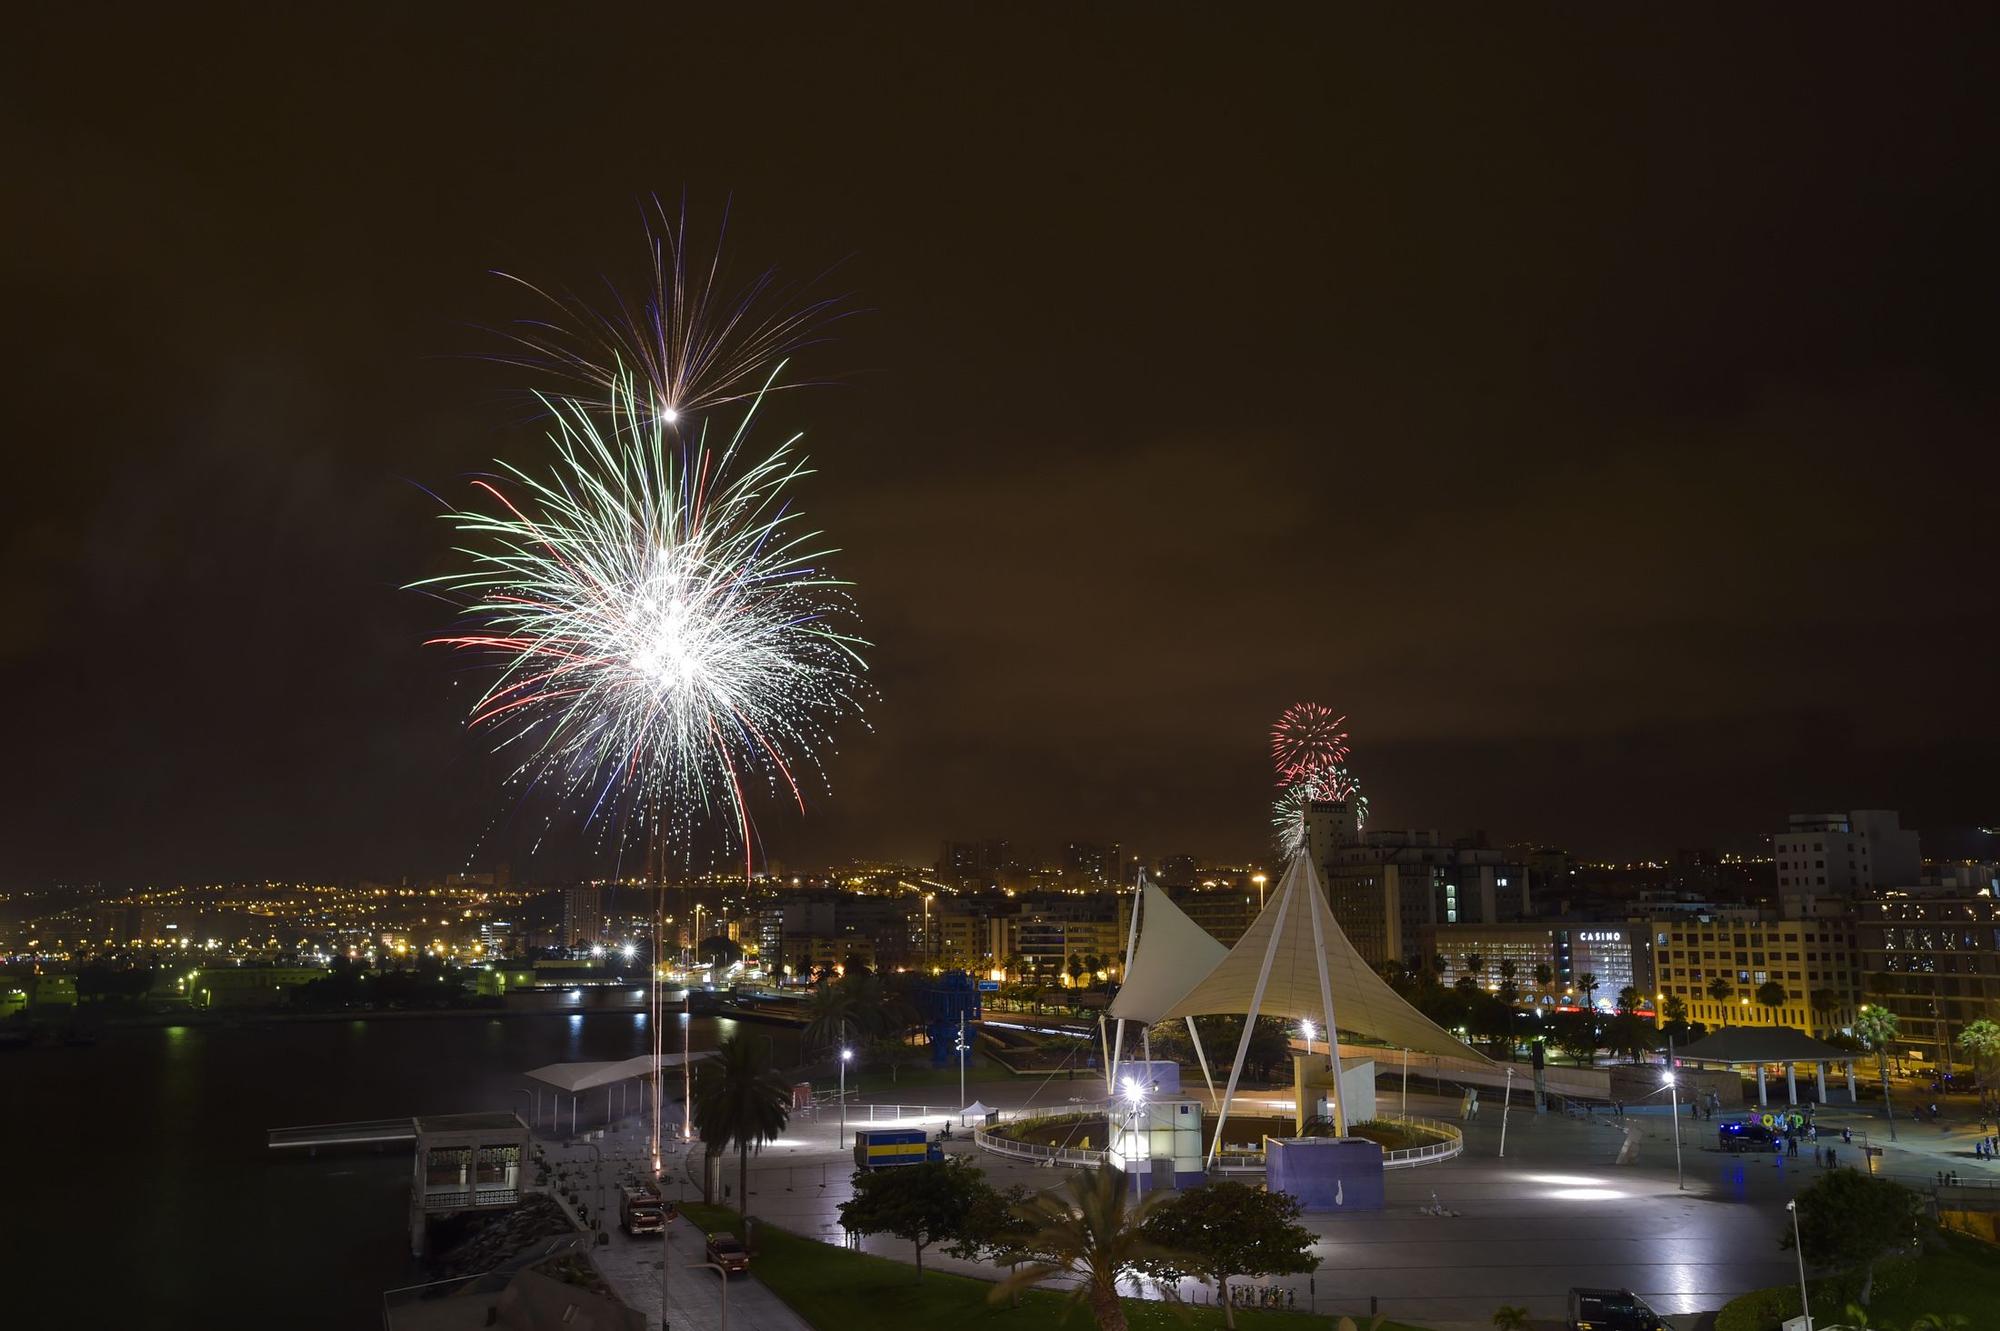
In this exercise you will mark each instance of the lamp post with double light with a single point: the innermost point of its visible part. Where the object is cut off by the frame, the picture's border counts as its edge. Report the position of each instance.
(845, 1055)
(1674, 1090)
(1135, 1100)
(1805, 1304)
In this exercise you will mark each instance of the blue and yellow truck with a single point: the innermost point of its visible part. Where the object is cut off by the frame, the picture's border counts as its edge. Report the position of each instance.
(884, 1148)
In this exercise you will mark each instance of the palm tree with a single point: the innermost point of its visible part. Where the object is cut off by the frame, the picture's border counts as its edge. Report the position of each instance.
(1084, 1230)
(1721, 990)
(1771, 994)
(1586, 983)
(1015, 964)
(1981, 1039)
(1628, 999)
(1545, 977)
(832, 1014)
(1473, 966)
(741, 1101)
(1824, 1002)
(1877, 1027)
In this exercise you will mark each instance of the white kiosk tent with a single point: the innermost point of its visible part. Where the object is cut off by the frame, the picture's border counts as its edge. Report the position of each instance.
(1293, 962)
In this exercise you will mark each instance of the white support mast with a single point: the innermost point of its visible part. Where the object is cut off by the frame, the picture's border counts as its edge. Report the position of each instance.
(1250, 1017)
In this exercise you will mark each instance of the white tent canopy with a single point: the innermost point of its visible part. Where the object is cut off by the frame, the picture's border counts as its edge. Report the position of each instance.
(1172, 956)
(576, 1078)
(1282, 950)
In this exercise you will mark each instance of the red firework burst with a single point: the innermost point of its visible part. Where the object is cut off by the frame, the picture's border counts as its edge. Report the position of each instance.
(1308, 738)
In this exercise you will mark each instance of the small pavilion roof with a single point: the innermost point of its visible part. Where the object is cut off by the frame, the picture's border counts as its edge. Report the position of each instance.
(1762, 1044)
(578, 1077)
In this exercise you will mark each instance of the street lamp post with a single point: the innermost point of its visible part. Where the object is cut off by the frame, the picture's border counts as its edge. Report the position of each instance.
(1258, 879)
(725, 1288)
(961, 1060)
(1135, 1099)
(1674, 1090)
(1506, 1103)
(845, 1054)
(1805, 1304)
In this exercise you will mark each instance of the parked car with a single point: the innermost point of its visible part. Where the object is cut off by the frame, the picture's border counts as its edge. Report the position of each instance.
(1744, 1137)
(1611, 1310)
(728, 1253)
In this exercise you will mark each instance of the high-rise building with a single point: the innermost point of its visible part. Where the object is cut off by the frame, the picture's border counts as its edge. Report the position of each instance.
(1092, 861)
(1934, 961)
(1828, 854)
(973, 861)
(1387, 887)
(1614, 953)
(583, 916)
(1717, 965)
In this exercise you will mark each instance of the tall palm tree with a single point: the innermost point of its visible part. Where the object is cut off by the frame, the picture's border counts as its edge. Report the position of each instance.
(740, 1100)
(1545, 977)
(1474, 965)
(1721, 991)
(1586, 983)
(1085, 1230)
(833, 1015)
(1981, 1039)
(1877, 1027)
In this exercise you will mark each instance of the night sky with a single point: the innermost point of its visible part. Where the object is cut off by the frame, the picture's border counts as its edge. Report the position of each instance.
(1598, 409)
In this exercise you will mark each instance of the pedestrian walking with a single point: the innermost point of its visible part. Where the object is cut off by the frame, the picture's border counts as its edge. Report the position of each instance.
(1795, 1148)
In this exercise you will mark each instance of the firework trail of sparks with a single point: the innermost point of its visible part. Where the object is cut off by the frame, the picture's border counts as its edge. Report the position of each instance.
(1307, 738)
(668, 635)
(1331, 783)
(694, 343)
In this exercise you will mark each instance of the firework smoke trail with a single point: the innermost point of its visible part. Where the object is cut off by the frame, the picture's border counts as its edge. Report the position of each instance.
(692, 345)
(668, 634)
(1306, 739)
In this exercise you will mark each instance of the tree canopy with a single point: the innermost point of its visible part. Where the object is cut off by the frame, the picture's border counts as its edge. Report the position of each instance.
(1849, 1220)
(925, 1203)
(1223, 1230)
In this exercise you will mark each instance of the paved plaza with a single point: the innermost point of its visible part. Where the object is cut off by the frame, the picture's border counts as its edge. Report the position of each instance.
(1574, 1202)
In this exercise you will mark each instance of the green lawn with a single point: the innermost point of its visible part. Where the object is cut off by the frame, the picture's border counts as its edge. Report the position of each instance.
(877, 1082)
(1962, 1278)
(832, 1287)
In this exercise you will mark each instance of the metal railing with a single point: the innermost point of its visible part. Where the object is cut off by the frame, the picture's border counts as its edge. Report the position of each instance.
(1452, 1143)
(859, 1111)
(1050, 1155)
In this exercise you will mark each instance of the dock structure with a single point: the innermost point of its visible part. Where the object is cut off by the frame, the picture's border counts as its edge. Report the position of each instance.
(369, 1132)
(462, 1162)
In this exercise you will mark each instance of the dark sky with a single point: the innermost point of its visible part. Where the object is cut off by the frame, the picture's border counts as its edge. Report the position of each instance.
(1597, 408)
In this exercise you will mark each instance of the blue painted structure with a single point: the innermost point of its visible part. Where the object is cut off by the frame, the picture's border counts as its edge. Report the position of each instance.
(1326, 1173)
(942, 1002)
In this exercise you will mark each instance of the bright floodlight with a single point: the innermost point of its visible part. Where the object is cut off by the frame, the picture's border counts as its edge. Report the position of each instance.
(1134, 1091)
(597, 949)
(1306, 1028)
(1667, 1078)
(627, 951)
(846, 1054)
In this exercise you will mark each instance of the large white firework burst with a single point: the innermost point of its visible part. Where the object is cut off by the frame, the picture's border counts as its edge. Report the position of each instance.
(668, 633)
